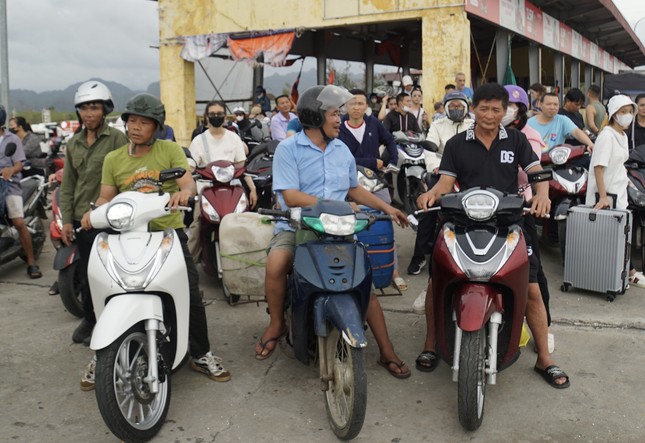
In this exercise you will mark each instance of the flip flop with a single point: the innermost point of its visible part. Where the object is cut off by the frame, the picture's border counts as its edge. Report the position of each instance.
(400, 365)
(551, 374)
(34, 271)
(53, 289)
(263, 346)
(427, 361)
(400, 283)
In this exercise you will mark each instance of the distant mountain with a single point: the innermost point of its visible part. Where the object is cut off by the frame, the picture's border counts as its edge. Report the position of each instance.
(63, 100)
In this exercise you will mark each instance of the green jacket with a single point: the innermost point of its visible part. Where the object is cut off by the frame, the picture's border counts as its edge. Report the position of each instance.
(82, 174)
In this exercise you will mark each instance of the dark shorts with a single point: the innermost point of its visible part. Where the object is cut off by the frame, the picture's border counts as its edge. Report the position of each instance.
(283, 240)
(530, 237)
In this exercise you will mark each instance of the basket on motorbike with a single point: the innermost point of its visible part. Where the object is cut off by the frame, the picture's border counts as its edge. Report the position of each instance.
(379, 242)
(243, 243)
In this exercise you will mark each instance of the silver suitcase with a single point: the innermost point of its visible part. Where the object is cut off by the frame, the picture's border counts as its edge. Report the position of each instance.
(597, 250)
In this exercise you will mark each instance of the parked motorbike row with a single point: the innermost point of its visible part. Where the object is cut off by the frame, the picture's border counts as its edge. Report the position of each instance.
(480, 273)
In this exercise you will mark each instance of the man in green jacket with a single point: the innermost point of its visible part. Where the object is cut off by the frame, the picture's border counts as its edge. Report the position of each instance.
(82, 181)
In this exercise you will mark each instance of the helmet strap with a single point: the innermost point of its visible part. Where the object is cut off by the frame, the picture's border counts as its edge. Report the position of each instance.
(325, 137)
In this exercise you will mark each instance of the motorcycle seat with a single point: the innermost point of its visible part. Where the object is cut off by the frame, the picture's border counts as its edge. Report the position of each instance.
(29, 187)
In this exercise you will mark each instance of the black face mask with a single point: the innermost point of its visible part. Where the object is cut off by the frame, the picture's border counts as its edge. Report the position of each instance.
(12, 130)
(216, 121)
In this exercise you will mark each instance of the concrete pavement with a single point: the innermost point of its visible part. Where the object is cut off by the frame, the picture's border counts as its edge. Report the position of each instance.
(599, 344)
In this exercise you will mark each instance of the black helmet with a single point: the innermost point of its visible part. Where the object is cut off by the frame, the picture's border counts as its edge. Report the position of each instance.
(313, 103)
(3, 115)
(145, 105)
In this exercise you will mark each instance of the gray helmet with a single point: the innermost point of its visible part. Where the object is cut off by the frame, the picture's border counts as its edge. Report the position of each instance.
(94, 91)
(313, 103)
(145, 105)
(455, 96)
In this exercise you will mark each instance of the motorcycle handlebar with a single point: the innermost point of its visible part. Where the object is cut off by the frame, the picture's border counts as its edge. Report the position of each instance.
(273, 212)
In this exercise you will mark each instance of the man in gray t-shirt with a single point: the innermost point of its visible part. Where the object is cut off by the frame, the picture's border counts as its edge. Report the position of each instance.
(10, 169)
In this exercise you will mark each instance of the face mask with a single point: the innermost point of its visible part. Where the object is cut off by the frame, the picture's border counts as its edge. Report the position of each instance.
(216, 121)
(406, 109)
(511, 114)
(624, 119)
(12, 130)
(456, 115)
(239, 118)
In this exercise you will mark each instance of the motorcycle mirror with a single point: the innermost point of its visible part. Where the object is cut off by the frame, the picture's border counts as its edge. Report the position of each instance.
(540, 176)
(10, 149)
(42, 155)
(171, 174)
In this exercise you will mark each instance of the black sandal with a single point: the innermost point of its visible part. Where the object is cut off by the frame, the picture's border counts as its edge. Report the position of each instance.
(34, 271)
(427, 361)
(53, 289)
(551, 374)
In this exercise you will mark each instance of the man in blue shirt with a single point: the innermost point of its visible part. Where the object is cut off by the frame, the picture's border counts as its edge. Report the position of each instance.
(309, 166)
(460, 81)
(555, 128)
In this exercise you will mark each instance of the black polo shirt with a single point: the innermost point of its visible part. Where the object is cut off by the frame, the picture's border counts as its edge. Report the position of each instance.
(468, 160)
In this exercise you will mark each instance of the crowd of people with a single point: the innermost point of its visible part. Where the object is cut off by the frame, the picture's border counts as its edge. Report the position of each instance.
(465, 127)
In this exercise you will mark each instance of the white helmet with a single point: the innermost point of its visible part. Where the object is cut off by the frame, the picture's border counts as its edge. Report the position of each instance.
(94, 91)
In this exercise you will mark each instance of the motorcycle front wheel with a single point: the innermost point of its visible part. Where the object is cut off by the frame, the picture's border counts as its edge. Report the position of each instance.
(413, 188)
(127, 406)
(472, 379)
(69, 287)
(346, 398)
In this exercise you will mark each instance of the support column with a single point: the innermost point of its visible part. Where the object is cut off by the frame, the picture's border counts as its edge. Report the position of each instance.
(258, 77)
(321, 58)
(575, 74)
(596, 76)
(368, 56)
(177, 79)
(534, 63)
(443, 28)
(558, 71)
(501, 49)
(587, 76)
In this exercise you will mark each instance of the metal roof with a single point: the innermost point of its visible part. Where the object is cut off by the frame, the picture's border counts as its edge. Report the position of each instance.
(602, 23)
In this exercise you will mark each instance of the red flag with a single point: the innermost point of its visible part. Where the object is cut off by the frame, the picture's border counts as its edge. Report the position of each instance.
(331, 77)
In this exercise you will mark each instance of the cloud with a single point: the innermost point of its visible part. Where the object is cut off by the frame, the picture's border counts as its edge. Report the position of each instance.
(55, 43)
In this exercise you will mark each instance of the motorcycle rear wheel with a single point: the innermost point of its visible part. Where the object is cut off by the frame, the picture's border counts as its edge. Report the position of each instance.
(472, 379)
(69, 286)
(346, 398)
(128, 408)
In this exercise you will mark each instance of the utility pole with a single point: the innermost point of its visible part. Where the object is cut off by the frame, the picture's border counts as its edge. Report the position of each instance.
(4, 56)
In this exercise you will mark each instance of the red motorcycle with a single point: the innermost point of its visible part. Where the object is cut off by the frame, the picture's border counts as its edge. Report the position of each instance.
(220, 193)
(66, 259)
(567, 188)
(480, 272)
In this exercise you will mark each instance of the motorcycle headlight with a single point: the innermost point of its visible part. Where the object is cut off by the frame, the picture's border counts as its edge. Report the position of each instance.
(58, 218)
(559, 155)
(223, 175)
(480, 205)
(140, 279)
(120, 215)
(369, 184)
(209, 210)
(332, 224)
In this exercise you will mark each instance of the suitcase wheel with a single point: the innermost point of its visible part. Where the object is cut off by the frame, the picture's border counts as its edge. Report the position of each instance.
(565, 287)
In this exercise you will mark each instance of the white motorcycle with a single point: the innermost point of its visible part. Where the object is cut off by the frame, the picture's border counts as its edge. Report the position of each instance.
(139, 286)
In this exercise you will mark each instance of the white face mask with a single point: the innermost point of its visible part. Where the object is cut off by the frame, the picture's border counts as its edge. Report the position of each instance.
(511, 115)
(406, 109)
(240, 118)
(624, 119)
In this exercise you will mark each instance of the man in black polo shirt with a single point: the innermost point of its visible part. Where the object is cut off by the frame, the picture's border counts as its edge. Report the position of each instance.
(487, 154)
(573, 101)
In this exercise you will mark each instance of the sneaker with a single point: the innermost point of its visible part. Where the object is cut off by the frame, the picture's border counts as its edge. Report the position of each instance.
(419, 305)
(209, 364)
(416, 266)
(87, 379)
(638, 279)
(82, 331)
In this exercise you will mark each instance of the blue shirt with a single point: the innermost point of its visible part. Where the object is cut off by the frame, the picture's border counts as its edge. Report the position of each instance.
(299, 164)
(8, 162)
(554, 132)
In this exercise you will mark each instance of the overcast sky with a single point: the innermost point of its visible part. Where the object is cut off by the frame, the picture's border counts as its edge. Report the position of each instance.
(55, 43)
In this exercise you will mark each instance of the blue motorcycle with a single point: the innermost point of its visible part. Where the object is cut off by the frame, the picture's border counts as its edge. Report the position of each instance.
(328, 292)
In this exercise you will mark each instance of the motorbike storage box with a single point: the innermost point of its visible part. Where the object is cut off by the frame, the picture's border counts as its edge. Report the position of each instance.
(597, 250)
(379, 242)
(243, 243)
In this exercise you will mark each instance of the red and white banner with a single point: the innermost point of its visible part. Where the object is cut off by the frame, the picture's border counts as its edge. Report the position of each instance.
(522, 17)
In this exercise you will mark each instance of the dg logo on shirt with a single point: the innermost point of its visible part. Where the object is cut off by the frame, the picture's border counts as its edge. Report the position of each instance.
(506, 156)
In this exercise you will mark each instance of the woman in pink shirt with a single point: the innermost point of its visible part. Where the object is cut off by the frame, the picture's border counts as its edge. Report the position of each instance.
(516, 117)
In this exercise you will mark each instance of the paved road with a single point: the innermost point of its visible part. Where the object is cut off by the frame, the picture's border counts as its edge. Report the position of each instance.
(599, 344)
